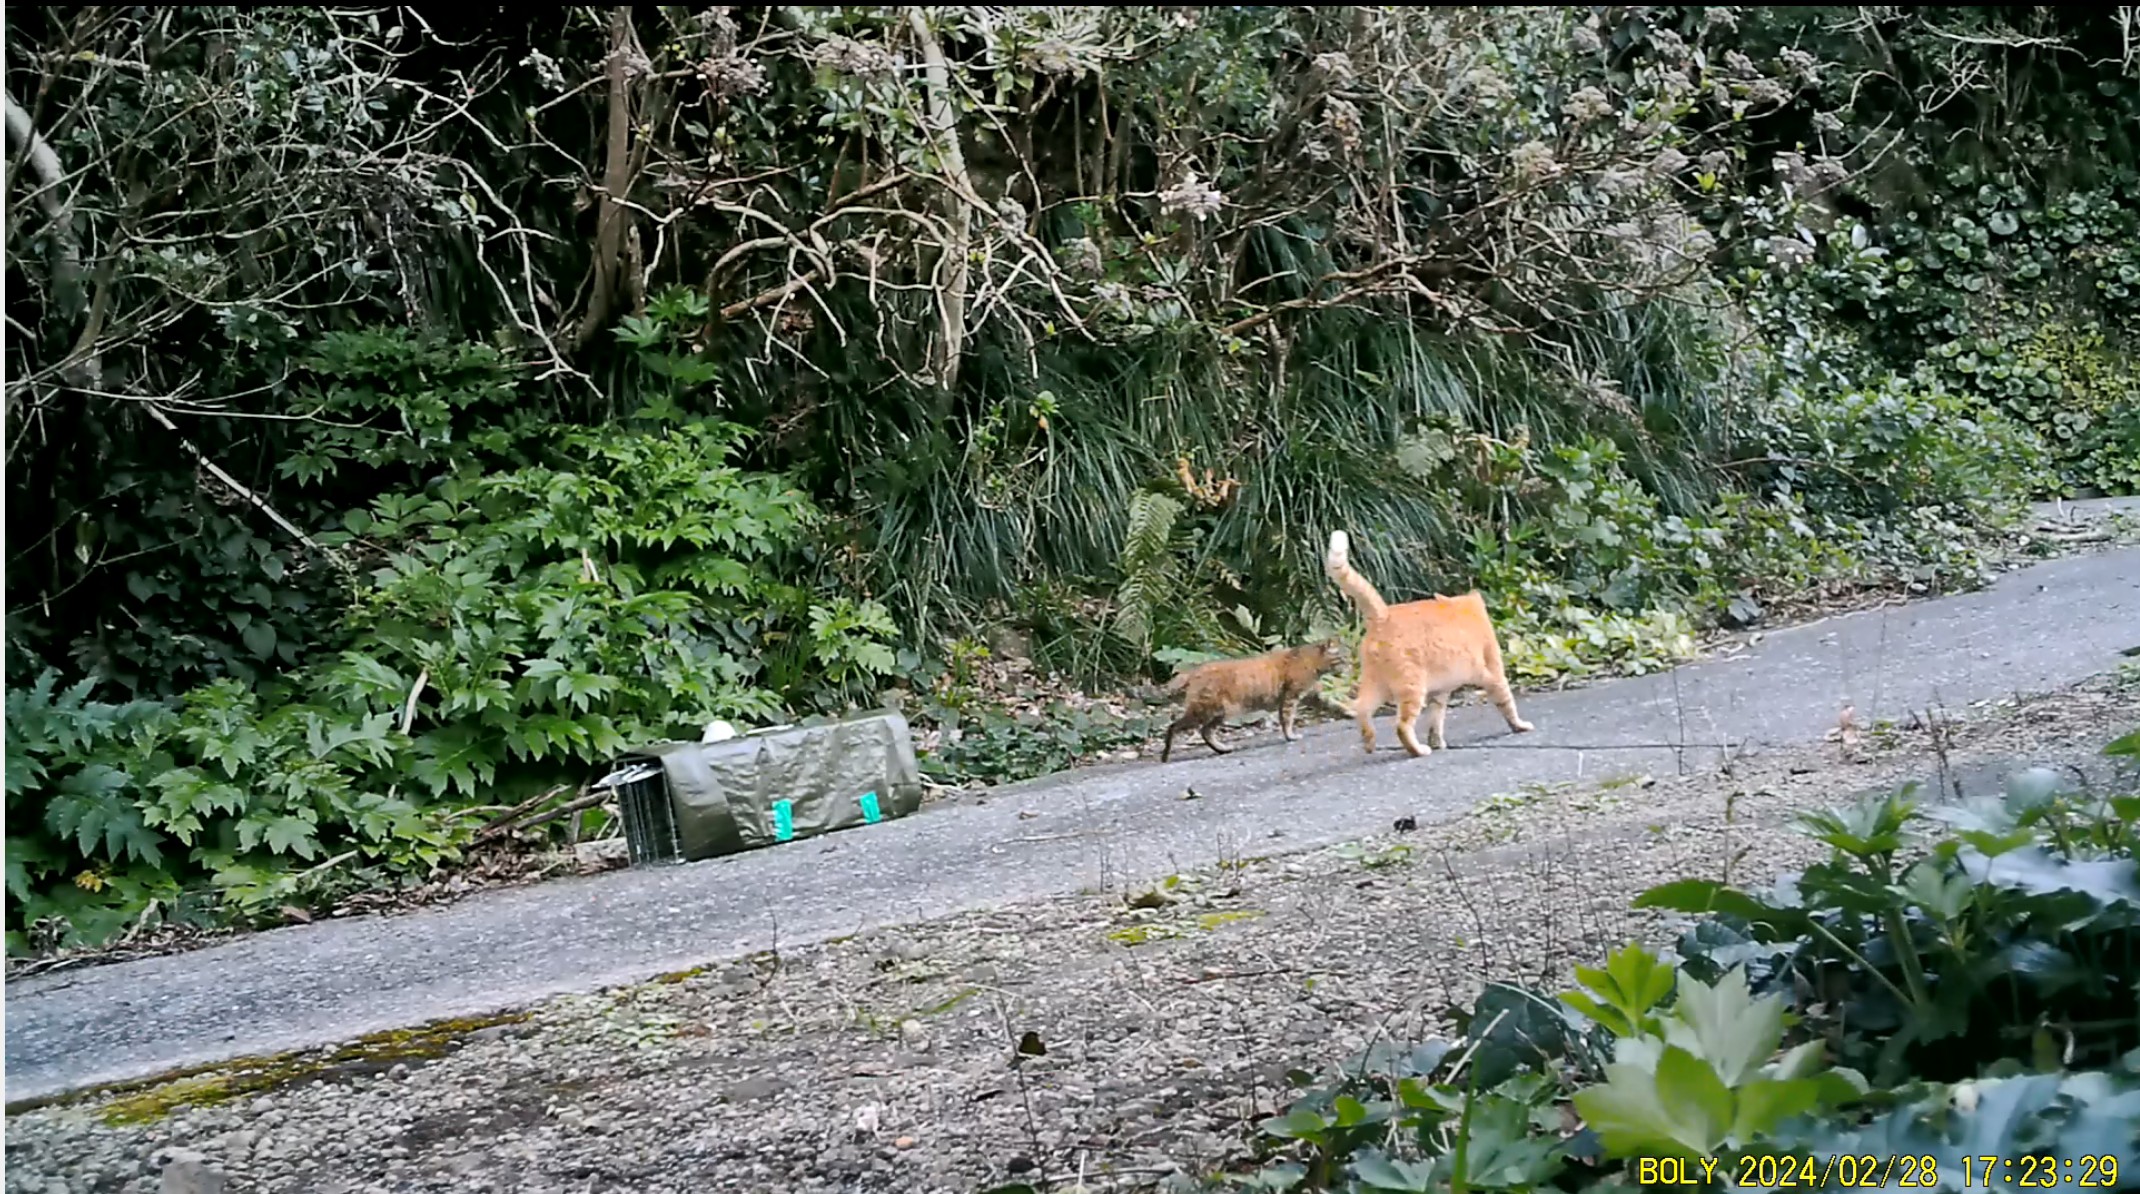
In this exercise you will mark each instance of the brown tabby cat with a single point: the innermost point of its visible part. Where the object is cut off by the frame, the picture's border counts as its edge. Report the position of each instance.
(1226, 687)
(1417, 654)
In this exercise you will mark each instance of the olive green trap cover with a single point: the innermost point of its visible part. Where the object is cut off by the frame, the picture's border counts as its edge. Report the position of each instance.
(772, 785)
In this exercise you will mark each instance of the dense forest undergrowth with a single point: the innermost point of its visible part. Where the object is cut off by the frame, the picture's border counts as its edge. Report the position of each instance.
(408, 408)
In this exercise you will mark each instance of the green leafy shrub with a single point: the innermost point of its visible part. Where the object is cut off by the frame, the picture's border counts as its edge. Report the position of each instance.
(1935, 1001)
(2008, 939)
(1895, 481)
(387, 408)
(562, 610)
(1594, 573)
(515, 624)
(79, 853)
(1881, 450)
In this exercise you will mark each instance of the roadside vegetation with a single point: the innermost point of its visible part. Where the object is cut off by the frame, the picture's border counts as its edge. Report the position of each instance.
(1945, 1001)
(408, 408)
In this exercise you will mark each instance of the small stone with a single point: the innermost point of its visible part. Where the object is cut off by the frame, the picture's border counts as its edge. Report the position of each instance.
(751, 1090)
(190, 1175)
(241, 1141)
(914, 1035)
(905, 1142)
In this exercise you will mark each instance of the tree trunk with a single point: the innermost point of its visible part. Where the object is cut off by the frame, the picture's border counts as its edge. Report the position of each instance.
(615, 217)
(951, 301)
(26, 144)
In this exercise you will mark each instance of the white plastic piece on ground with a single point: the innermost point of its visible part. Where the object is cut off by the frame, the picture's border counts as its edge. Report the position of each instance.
(627, 775)
(718, 731)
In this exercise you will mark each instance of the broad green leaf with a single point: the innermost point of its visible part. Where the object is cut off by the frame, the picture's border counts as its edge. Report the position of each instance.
(1514, 1030)
(2032, 788)
(2105, 1122)
(1992, 845)
(292, 835)
(1298, 1124)
(2041, 872)
(91, 808)
(1680, 1109)
(1699, 897)
(1726, 1026)
(250, 829)
(1501, 1152)
(1801, 1061)
(1760, 1105)
(1940, 893)
(1867, 828)
(2002, 1120)
(1632, 982)
(1379, 1172)
(1350, 1112)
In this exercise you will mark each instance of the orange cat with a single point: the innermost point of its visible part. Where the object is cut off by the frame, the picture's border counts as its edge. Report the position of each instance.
(1417, 654)
(1226, 687)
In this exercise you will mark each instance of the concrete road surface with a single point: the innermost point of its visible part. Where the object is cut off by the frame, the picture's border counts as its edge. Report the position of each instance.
(2049, 625)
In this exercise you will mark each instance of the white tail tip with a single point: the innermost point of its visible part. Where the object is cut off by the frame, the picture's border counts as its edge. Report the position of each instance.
(1340, 551)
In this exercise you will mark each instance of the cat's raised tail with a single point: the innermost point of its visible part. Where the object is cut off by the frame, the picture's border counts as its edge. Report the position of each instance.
(1337, 565)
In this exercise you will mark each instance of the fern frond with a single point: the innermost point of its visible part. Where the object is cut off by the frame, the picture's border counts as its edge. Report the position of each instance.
(1150, 536)
(1150, 572)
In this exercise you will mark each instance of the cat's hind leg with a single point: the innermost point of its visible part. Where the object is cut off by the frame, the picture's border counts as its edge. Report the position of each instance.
(1365, 703)
(1493, 677)
(1437, 711)
(1212, 742)
(1409, 706)
(1498, 692)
